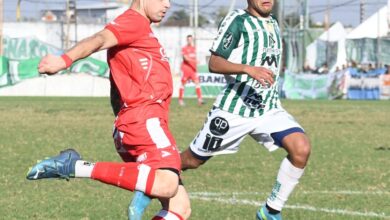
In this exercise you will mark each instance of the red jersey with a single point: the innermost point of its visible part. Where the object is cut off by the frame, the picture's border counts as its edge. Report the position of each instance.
(190, 52)
(139, 69)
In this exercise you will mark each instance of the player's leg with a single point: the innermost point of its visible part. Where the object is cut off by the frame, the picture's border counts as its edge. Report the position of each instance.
(159, 151)
(183, 81)
(291, 170)
(140, 201)
(175, 208)
(189, 160)
(130, 176)
(158, 159)
(284, 132)
(181, 92)
(198, 88)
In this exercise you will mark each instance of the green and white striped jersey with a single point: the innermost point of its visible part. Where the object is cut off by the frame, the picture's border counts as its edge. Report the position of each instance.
(245, 39)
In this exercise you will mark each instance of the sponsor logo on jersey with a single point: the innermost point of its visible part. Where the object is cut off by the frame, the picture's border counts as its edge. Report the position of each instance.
(164, 56)
(219, 126)
(254, 101)
(270, 60)
(227, 40)
(275, 51)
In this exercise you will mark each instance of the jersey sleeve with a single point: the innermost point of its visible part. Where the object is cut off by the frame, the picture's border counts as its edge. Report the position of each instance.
(228, 37)
(127, 27)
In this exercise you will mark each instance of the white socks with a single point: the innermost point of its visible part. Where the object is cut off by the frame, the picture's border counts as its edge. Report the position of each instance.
(83, 168)
(288, 178)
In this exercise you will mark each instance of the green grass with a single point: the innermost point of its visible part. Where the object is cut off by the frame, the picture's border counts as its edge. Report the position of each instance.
(348, 176)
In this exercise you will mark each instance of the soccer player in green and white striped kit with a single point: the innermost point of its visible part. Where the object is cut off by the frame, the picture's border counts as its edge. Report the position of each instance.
(248, 51)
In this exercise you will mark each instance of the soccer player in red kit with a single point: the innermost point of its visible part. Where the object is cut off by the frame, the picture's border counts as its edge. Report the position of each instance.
(189, 72)
(141, 78)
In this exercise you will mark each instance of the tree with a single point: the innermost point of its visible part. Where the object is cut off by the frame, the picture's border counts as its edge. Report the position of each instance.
(220, 14)
(181, 18)
(178, 18)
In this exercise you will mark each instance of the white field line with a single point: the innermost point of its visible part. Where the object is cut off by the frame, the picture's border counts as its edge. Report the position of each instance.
(343, 192)
(207, 196)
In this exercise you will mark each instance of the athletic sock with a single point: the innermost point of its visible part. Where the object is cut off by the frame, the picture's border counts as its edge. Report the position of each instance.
(199, 93)
(181, 93)
(167, 215)
(83, 169)
(288, 177)
(130, 176)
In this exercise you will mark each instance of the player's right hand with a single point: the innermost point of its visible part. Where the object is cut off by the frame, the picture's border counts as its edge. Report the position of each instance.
(51, 64)
(263, 75)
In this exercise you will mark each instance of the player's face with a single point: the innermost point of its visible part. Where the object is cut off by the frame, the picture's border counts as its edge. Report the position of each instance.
(155, 10)
(261, 8)
(189, 40)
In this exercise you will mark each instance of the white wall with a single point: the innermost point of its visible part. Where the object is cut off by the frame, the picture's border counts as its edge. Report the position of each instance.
(60, 85)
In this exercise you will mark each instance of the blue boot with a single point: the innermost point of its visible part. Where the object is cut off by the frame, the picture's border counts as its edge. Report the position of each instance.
(138, 205)
(61, 166)
(263, 214)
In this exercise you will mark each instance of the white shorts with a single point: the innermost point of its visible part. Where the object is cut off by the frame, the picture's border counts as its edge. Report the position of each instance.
(223, 132)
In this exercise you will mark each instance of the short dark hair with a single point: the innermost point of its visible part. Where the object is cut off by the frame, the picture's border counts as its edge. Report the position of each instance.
(190, 35)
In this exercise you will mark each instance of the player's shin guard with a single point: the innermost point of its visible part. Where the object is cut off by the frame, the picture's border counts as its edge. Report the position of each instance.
(167, 215)
(130, 176)
(288, 177)
(138, 205)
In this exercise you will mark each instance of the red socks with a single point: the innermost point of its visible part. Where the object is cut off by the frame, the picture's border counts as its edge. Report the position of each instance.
(130, 176)
(199, 93)
(167, 215)
(181, 93)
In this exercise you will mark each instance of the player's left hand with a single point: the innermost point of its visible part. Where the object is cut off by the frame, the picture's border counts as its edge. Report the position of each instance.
(51, 64)
(263, 75)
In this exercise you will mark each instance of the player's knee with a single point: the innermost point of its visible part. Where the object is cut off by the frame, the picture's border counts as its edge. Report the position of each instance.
(169, 188)
(166, 184)
(186, 213)
(183, 209)
(301, 152)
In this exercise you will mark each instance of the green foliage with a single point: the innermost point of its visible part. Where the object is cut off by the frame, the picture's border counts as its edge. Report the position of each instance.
(182, 18)
(348, 173)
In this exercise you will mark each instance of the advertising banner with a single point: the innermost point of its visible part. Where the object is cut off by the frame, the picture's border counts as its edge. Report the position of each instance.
(22, 55)
(305, 86)
(211, 85)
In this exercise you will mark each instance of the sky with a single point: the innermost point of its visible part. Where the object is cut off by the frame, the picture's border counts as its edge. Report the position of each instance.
(345, 11)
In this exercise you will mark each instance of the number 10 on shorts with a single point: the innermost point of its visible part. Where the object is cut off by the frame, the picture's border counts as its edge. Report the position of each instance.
(212, 143)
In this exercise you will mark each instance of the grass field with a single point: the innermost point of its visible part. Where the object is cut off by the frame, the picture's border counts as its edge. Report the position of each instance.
(348, 176)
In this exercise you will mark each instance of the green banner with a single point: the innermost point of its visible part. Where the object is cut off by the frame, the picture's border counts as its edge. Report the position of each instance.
(92, 66)
(314, 86)
(4, 78)
(27, 48)
(28, 68)
(211, 85)
(305, 86)
(22, 56)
